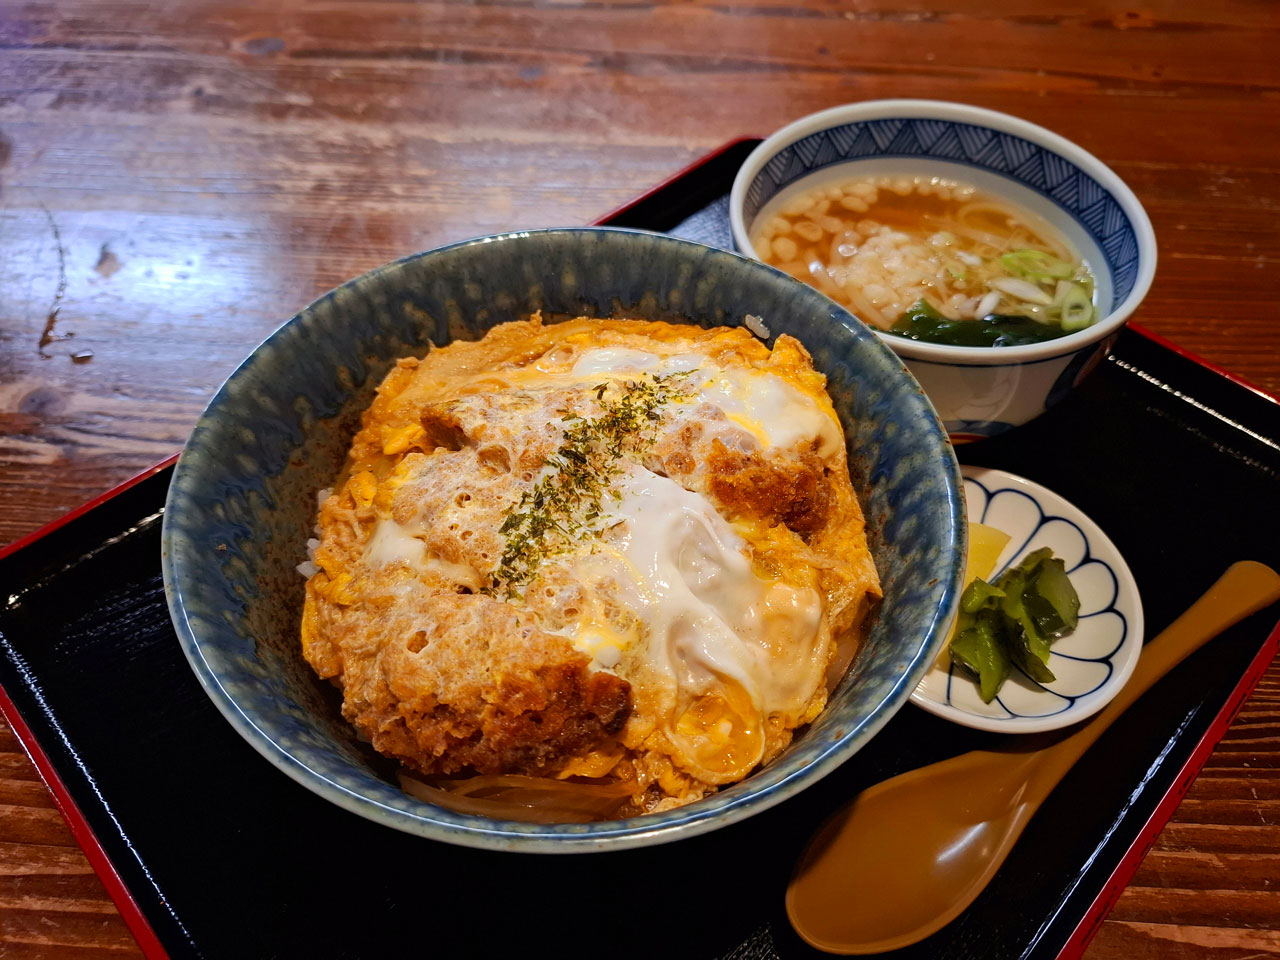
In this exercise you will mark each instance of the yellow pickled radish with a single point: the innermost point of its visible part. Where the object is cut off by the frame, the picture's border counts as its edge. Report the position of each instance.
(985, 546)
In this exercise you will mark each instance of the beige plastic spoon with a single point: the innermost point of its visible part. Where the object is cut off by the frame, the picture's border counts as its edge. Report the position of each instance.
(909, 854)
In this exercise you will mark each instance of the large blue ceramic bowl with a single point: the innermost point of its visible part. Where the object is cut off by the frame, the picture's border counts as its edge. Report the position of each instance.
(243, 502)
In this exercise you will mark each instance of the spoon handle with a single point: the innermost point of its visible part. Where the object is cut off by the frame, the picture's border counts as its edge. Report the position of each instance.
(1245, 588)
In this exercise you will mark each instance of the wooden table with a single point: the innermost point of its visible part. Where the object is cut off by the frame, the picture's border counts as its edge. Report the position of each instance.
(175, 179)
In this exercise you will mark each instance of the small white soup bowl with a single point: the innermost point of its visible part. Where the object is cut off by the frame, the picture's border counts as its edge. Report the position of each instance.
(978, 391)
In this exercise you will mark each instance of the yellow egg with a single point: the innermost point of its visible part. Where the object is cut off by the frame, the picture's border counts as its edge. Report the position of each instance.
(720, 736)
(399, 439)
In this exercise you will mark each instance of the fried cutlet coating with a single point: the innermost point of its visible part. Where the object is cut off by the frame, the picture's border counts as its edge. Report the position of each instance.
(478, 688)
(433, 673)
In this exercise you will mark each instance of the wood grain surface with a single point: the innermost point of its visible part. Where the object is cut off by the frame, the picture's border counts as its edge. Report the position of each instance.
(177, 178)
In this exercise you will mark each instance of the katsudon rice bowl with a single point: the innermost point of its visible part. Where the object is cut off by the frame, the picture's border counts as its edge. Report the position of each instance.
(564, 540)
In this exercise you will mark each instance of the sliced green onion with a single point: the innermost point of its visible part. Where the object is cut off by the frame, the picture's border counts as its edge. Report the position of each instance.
(1036, 265)
(1075, 310)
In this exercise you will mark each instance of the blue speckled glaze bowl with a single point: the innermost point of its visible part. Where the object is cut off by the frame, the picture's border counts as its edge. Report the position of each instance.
(243, 500)
(978, 391)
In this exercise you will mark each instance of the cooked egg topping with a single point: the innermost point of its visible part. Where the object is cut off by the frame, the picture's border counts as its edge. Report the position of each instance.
(392, 544)
(715, 637)
(706, 634)
(667, 507)
(764, 404)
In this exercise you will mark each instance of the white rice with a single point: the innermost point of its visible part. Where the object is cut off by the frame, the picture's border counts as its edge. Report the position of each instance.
(308, 567)
(756, 326)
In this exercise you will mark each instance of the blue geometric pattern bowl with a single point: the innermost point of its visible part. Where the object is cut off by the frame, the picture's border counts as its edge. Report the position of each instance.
(978, 391)
(1020, 160)
(1091, 664)
(243, 500)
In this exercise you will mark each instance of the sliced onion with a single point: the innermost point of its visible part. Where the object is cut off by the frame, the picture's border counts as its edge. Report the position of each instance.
(987, 304)
(1036, 265)
(1021, 289)
(528, 799)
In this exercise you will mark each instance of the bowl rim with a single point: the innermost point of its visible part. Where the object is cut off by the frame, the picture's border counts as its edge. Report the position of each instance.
(487, 833)
(912, 109)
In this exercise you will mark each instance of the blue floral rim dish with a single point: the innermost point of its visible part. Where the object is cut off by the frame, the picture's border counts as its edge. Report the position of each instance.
(242, 501)
(1091, 664)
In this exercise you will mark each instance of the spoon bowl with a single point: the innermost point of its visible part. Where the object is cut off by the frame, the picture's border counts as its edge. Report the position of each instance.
(851, 861)
(908, 855)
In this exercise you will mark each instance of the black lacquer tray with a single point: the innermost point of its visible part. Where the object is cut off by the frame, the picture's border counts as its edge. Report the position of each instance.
(209, 851)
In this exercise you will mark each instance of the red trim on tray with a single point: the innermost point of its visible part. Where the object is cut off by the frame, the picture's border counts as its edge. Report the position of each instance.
(80, 829)
(132, 914)
(678, 175)
(1208, 364)
(1128, 865)
(84, 508)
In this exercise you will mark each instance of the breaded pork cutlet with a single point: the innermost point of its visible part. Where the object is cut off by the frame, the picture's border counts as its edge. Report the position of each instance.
(600, 548)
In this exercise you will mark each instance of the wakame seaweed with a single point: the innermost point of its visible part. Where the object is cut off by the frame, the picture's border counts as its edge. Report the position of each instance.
(922, 322)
